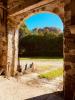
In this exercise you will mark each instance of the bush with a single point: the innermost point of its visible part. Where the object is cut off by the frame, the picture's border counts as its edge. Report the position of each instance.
(45, 42)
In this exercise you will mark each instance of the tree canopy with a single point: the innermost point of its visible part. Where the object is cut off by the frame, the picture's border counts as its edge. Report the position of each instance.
(40, 42)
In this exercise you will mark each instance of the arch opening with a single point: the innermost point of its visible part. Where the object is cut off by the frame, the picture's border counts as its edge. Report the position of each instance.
(43, 18)
(42, 45)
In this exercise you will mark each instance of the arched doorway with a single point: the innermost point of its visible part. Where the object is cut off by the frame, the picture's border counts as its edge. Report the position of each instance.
(39, 21)
(15, 20)
(26, 61)
(69, 37)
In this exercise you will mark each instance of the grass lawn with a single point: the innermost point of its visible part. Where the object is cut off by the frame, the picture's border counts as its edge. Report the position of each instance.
(52, 74)
(45, 64)
(42, 58)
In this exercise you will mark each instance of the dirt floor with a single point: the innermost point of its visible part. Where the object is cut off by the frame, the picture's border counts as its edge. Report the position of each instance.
(23, 89)
(30, 87)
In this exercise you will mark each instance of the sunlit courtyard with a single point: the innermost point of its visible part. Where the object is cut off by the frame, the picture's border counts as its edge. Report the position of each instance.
(43, 80)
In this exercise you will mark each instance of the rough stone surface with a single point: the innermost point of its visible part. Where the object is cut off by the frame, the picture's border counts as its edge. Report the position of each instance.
(20, 9)
(69, 56)
(3, 34)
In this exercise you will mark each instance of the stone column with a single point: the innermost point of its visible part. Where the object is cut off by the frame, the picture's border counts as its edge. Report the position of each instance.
(16, 40)
(10, 55)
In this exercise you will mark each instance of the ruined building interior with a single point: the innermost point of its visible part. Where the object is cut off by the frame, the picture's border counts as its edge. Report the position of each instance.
(12, 13)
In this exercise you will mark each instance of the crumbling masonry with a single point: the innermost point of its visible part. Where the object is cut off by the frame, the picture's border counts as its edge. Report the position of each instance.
(12, 14)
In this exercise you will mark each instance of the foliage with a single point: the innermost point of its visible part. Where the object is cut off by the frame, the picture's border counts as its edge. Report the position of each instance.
(52, 74)
(42, 58)
(23, 31)
(40, 42)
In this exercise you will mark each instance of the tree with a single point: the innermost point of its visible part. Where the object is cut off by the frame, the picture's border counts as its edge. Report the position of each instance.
(41, 42)
(23, 31)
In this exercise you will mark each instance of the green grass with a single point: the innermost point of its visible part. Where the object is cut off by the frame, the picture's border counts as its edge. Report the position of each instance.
(42, 58)
(52, 74)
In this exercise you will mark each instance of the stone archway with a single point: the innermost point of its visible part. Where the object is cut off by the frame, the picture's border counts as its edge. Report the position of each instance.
(17, 11)
(17, 18)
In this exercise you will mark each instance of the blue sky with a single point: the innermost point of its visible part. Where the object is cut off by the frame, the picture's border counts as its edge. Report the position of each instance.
(42, 20)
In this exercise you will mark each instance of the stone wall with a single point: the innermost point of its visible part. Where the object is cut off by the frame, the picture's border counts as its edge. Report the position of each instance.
(17, 5)
(69, 52)
(9, 43)
(3, 36)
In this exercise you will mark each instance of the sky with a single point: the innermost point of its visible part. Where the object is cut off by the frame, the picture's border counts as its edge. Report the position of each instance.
(42, 20)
